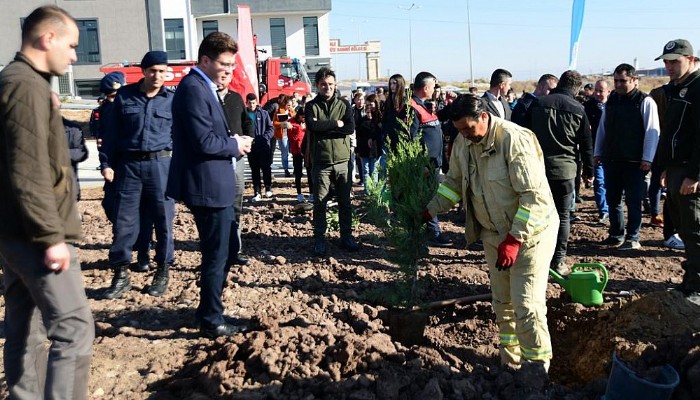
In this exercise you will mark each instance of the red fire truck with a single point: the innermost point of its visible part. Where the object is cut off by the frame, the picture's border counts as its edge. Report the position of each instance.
(275, 76)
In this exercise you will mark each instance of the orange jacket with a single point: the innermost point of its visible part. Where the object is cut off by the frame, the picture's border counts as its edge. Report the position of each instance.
(279, 131)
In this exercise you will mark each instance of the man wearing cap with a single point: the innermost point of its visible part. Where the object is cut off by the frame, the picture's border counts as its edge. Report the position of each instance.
(109, 85)
(679, 156)
(135, 155)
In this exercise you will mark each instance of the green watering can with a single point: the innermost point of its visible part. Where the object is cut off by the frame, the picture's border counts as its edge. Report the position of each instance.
(583, 283)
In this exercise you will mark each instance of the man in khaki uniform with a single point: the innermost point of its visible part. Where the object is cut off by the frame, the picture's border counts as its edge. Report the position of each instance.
(497, 169)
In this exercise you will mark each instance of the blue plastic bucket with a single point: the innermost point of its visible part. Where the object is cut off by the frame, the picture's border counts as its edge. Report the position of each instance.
(625, 384)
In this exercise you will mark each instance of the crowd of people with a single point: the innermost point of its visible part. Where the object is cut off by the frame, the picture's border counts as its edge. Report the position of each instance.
(514, 165)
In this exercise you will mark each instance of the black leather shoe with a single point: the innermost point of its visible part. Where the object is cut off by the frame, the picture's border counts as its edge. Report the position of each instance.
(320, 247)
(224, 329)
(349, 244)
(240, 259)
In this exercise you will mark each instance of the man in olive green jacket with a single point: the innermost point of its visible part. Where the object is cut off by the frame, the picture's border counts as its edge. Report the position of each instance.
(329, 124)
(44, 293)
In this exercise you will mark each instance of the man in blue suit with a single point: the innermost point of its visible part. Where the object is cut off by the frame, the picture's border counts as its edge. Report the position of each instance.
(202, 173)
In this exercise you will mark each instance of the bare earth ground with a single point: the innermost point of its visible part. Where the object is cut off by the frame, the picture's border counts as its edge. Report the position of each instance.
(315, 334)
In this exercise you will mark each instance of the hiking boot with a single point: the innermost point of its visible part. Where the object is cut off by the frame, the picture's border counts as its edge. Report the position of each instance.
(674, 242)
(120, 282)
(612, 242)
(256, 198)
(630, 245)
(160, 281)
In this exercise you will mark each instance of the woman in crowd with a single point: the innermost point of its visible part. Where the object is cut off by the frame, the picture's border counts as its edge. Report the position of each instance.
(369, 138)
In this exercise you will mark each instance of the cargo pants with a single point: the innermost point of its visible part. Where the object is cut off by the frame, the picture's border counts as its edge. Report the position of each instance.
(323, 177)
(49, 328)
(520, 297)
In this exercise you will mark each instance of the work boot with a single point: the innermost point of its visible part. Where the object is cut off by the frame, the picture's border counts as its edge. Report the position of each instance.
(120, 282)
(143, 262)
(160, 280)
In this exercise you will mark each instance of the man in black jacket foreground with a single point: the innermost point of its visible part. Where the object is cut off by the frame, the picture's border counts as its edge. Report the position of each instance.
(679, 156)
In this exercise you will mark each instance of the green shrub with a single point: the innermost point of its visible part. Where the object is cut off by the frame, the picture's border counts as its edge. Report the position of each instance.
(395, 206)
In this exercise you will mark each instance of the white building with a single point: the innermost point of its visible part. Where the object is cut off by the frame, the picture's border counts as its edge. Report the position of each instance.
(117, 31)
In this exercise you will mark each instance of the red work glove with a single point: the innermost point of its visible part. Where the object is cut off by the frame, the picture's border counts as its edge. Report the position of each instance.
(507, 252)
(425, 215)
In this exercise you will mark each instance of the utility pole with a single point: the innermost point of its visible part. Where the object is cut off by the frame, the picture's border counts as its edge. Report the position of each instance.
(471, 57)
(410, 38)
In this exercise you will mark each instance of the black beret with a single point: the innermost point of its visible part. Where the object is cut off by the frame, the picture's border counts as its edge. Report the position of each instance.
(154, 58)
(111, 82)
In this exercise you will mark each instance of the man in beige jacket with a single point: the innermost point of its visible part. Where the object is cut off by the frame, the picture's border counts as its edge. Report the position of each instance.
(497, 170)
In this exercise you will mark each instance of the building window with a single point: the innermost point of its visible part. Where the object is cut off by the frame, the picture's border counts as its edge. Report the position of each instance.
(311, 36)
(175, 38)
(209, 27)
(278, 37)
(88, 88)
(88, 49)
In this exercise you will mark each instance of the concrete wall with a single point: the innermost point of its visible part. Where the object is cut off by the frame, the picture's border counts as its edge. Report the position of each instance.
(130, 28)
(294, 27)
(210, 7)
(123, 38)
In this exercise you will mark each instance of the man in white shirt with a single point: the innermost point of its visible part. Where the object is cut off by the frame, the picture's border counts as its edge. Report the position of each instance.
(626, 142)
(495, 98)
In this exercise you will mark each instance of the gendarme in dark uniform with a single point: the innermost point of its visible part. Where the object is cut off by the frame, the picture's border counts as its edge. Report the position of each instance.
(136, 151)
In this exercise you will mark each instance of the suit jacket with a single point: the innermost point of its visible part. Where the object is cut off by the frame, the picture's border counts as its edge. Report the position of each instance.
(493, 110)
(201, 171)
